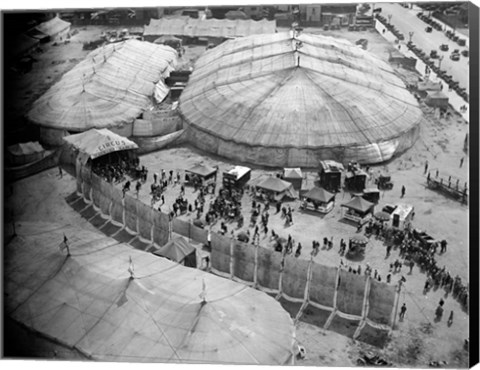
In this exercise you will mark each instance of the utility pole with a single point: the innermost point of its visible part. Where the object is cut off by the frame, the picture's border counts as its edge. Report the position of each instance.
(389, 18)
(410, 35)
(440, 61)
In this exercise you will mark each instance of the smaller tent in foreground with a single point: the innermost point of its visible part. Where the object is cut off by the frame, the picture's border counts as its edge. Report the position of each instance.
(23, 153)
(201, 174)
(95, 143)
(54, 28)
(179, 250)
(358, 209)
(276, 189)
(322, 200)
(293, 176)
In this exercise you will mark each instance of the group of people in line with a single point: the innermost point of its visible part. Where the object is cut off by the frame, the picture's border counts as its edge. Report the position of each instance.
(116, 171)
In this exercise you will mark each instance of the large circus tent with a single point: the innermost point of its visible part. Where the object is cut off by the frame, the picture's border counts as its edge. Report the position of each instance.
(110, 88)
(293, 99)
(111, 302)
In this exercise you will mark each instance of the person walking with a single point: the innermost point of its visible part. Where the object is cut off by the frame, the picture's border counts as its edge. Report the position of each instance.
(403, 191)
(138, 187)
(461, 162)
(438, 313)
(450, 319)
(60, 172)
(426, 168)
(403, 310)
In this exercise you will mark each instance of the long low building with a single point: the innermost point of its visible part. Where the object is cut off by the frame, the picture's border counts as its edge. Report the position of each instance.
(292, 100)
(221, 28)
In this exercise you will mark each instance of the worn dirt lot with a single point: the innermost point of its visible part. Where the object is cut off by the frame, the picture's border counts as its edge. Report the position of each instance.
(418, 339)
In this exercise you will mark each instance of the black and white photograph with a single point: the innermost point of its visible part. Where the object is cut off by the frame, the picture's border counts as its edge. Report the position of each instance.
(283, 184)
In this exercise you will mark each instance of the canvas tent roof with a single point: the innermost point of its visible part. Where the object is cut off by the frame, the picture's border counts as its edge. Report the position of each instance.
(329, 165)
(202, 170)
(111, 87)
(236, 14)
(20, 149)
(239, 171)
(96, 143)
(260, 84)
(176, 249)
(53, 26)
(165, 38)
(186, 26)
(358, 204)
(88, 301)
(319, 195)
(274, 184)
(292, 173)
(429, 86)
(436, 95)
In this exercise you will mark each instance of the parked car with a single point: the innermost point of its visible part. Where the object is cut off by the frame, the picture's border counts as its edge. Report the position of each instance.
(428, 29)
(433, 54)
(455, 57)
(465, 53)
(444, 47)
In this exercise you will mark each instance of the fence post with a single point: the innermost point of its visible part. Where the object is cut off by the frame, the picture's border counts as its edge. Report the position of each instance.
(231, 258)
(394, 318)
(365, 308)
(334, 309)
(307, 289)
(255, 270)
(282, 268)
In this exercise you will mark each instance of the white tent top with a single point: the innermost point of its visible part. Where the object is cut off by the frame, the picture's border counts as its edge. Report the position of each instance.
(53, 26)
(292, 173)
(403, 210)
(89, 302)
(239, 171)
(111, 87)
(297, 91)
(274, 184)
(186, 26)
(176, 249)
(20, 149)
(331, 166)
(96, 143)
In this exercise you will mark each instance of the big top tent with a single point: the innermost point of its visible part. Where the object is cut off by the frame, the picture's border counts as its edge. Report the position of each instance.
(115, 303)
(112, 87)
(291, 100)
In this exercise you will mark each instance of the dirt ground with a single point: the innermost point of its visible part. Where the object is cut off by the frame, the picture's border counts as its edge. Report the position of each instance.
(417, 340)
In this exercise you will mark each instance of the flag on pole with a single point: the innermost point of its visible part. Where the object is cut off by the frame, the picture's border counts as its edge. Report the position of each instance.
(203, 294)
(131, 268)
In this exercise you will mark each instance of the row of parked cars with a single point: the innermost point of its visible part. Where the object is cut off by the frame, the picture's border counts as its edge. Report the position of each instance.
(391, 27)
(452, 36)
(448, 79)
(435, 25)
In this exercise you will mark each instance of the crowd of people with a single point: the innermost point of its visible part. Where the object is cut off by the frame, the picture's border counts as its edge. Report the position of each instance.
(226, 207)
(116, 170)
(413, 249)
